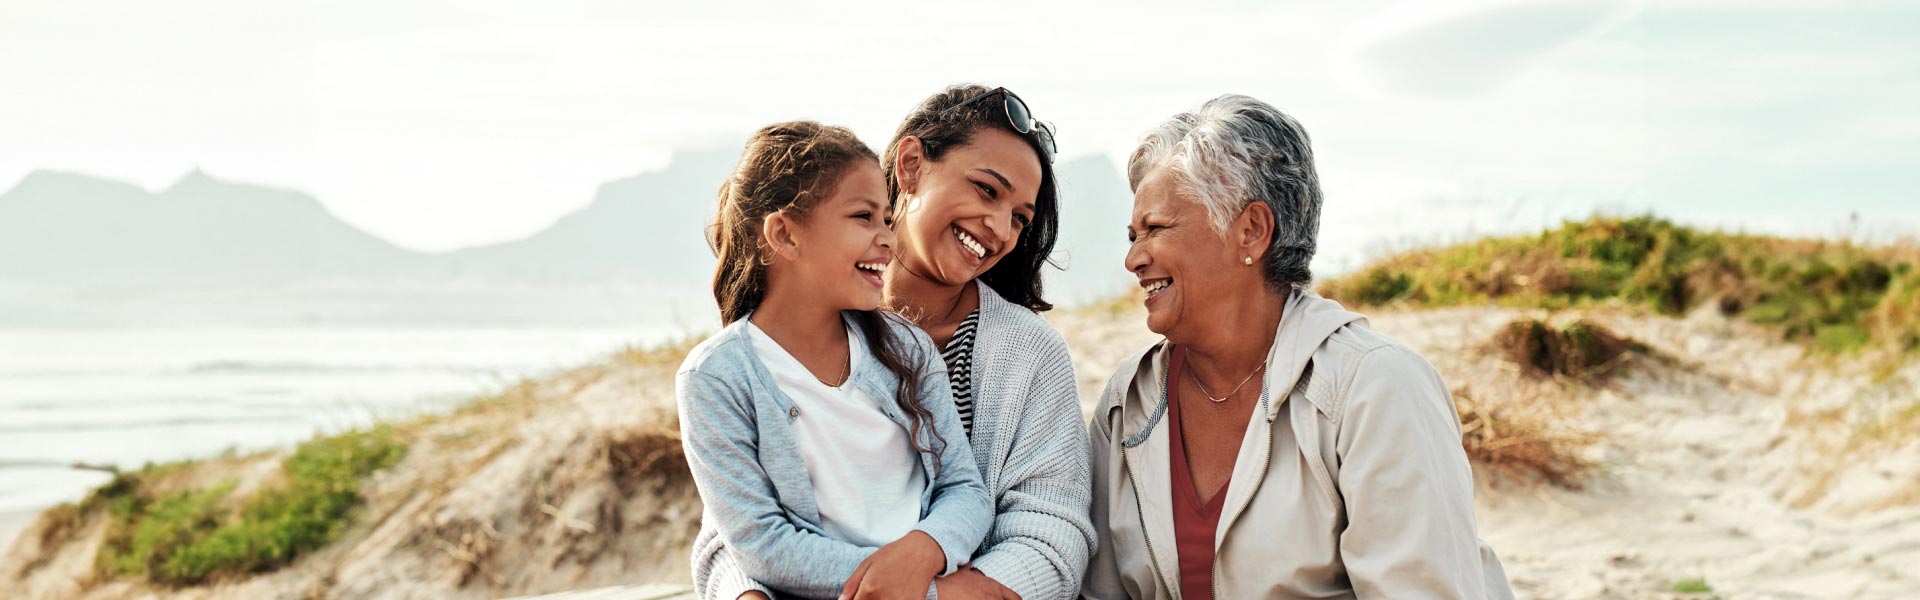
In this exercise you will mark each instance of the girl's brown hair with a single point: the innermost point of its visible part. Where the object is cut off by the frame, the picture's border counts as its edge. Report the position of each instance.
(791, 167)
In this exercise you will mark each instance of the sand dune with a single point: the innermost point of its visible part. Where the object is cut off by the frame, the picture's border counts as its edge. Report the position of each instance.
(1727, 467)
(1726, 460)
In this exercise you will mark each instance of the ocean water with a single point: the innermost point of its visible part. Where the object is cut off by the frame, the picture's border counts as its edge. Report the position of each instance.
(126, 397)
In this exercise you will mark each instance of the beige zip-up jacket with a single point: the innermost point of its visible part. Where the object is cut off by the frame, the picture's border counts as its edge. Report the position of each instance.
(1350, 482)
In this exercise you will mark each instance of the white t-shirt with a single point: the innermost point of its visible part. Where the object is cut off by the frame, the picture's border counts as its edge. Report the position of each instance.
(866, 476)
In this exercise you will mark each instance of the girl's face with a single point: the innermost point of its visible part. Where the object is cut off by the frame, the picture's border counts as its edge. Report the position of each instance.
(843, 245)
(961, 215)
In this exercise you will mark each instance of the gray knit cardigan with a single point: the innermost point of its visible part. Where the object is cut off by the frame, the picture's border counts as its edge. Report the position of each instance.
(1029, 442)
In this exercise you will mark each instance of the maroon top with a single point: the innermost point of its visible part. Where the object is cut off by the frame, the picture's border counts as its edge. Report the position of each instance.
(1194, 522)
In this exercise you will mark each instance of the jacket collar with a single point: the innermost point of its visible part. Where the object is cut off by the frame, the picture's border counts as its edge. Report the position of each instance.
(869, 375)
(1305, 324)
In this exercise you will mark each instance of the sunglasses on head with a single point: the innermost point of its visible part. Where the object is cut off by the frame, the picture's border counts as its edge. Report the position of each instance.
(1019, 116)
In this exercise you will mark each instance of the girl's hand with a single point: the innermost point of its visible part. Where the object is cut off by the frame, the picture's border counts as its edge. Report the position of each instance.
(969, 583)
(901, 569)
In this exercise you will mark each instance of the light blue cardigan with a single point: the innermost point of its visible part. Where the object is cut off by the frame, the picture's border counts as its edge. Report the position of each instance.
(760, 527)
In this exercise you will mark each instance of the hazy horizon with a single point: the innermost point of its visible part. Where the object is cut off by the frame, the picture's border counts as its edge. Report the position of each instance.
(443, 125)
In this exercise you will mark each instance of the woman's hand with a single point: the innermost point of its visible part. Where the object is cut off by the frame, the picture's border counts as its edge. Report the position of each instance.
(901, 569)
(968, 583)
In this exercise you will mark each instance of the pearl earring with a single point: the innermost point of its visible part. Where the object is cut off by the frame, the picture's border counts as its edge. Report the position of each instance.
(1248, 261)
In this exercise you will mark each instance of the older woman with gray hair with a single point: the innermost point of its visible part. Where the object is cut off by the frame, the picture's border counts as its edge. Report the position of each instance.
(1272, 445)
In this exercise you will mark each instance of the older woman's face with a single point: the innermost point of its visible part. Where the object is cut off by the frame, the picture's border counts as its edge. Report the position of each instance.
(1178, 257)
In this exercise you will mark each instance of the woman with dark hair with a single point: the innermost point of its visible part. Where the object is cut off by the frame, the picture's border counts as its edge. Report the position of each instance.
(971, 173)
(970, 177)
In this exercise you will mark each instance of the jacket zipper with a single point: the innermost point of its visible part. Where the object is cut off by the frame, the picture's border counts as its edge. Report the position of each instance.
(1152, 557)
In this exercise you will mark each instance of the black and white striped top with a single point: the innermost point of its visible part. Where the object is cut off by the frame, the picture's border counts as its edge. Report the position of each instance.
(959, 359)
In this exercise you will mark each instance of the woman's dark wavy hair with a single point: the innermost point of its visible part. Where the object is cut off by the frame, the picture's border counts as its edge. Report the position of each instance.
(791, 167)
(1016, 277)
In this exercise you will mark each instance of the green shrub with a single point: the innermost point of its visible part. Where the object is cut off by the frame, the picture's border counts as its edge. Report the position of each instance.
(1382, 287)
(1837, 296)
(189, 536)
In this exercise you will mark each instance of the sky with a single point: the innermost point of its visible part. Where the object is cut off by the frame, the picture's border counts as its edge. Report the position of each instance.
(439, 125)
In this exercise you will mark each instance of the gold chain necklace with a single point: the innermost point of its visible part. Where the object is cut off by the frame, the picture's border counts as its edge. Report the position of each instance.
(846, 371)
(1236, 389)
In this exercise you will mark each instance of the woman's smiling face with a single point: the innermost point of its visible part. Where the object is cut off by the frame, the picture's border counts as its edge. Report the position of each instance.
(961, 215)
(1179, 258)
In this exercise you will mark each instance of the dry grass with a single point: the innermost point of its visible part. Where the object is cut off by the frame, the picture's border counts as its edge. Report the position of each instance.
(651, 452)
(1522, 438)
(1583, 350)
(667, 354)
(1899, 424)
(639, 456)
(1519, 395)
(58, 525)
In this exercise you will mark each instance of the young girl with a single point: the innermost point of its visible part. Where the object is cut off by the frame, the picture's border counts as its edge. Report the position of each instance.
(821, 432)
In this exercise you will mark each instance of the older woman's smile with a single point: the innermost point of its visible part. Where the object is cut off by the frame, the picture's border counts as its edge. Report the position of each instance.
(1155, 287)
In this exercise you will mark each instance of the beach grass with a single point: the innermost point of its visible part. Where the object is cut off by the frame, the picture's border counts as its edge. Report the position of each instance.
(1522, 438)
(189, 536)
(1836, 296)
(1692, 586)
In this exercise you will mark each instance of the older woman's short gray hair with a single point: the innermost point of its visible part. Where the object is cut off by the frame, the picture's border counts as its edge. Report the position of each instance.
(1233, 151)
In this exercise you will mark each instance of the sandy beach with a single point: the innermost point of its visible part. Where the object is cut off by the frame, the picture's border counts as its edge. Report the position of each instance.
(1729, 468)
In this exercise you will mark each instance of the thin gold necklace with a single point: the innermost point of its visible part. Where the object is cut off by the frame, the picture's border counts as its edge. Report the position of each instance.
(1236, 389)
(846, 371)
(846, 368)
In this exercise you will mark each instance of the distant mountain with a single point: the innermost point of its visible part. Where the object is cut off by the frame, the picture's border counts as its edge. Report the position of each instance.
(68, 230)
(81, 250)
(74, 230)
(652, 227)
(648, 227)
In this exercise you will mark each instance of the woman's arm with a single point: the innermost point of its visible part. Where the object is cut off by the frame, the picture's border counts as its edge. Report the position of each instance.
(1044, 531)
(716, 575)
(1407, 485)
(717, 428)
